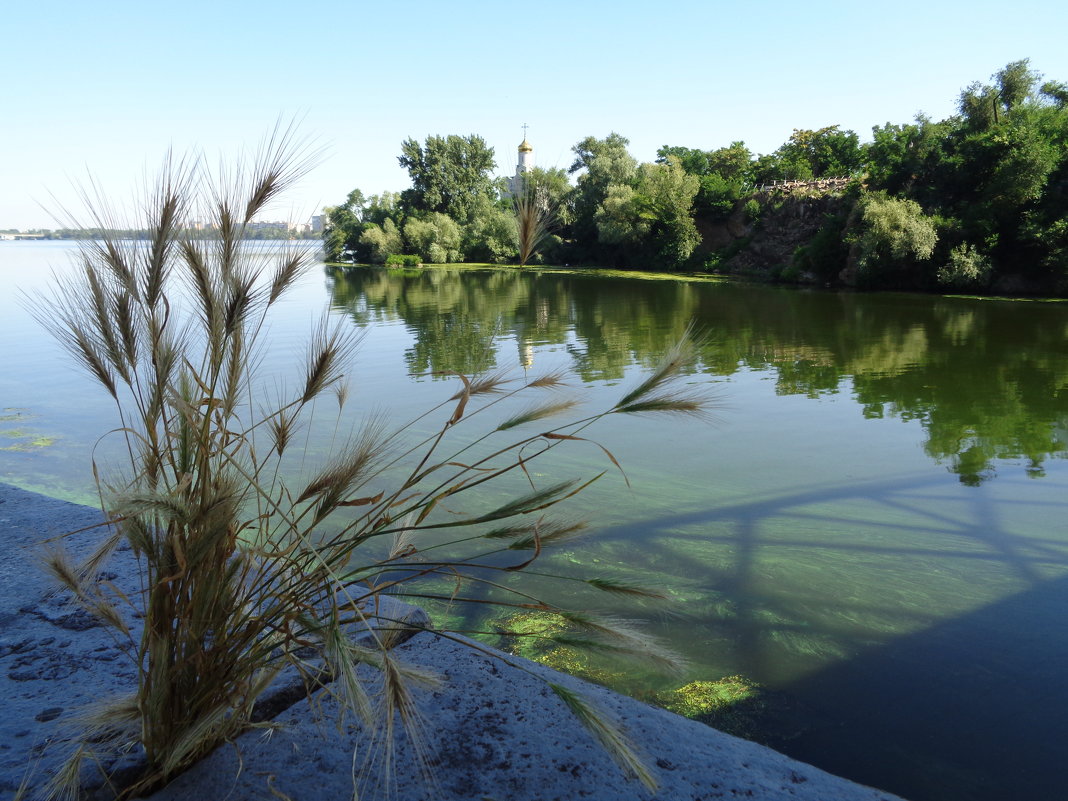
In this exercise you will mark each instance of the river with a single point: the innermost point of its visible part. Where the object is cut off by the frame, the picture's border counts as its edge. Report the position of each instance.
(871, 526)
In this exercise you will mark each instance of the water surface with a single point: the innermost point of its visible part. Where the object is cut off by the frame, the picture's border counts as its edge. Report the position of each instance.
(872, 527)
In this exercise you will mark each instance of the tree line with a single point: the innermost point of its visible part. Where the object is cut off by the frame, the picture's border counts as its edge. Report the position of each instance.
(975, 202)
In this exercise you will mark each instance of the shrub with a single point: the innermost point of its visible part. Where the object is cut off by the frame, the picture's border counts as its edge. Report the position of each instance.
(398, 260)
(965, 268)
(382, 241)
(240, 572)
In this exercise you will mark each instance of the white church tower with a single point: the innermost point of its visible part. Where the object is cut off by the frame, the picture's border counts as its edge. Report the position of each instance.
(526, 155)
(524, 164)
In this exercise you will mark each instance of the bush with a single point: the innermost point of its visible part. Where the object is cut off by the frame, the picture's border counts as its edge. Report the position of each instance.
(398, 260)
(966, 268)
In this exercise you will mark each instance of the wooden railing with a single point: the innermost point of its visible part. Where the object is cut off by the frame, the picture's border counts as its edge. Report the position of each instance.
(818, 184)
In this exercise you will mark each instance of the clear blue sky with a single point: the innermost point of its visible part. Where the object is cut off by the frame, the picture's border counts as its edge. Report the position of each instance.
(107, 87)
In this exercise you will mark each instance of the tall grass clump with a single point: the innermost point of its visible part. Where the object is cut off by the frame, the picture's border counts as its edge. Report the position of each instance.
(250, 556)
(536, 217)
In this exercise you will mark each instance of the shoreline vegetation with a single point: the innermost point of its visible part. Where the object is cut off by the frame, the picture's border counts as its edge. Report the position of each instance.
(974, 204)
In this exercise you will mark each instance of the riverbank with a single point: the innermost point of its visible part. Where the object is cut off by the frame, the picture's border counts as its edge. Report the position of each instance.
(494, 730)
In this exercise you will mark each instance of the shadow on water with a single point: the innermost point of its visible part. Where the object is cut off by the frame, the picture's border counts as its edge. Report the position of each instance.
(971, 709)
(898, 694)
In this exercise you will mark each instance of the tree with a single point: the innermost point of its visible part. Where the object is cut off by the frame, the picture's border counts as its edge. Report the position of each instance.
(378, 208)
(379, 242)
(896, 234)
(448, 174)
(489, 235)
(652, 220)
(986, 105)
(966, 268)
(343, 226)
(724, 175)
(732, 162)
(435, 237)
(601, 163)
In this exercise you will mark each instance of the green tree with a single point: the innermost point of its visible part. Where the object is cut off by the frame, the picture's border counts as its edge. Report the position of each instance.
(985, 105)
(966, 268)
(343, 226)
(600, 164)
(895, 235)
(378, 208)
(436, 238)
(489, 235)
(651, 221)
(724, 175)
(448, 174)
(381, 241)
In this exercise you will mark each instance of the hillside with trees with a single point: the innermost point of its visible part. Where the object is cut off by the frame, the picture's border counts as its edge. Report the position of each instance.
(977, 202)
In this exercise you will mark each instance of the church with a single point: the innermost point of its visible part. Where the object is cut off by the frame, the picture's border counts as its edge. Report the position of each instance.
(524, 164)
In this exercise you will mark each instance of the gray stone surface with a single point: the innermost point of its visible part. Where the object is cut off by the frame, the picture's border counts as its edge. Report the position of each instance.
(492, 731)
(53, 657)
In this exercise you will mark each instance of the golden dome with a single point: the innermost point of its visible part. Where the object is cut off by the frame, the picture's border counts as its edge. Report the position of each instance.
(526, 147)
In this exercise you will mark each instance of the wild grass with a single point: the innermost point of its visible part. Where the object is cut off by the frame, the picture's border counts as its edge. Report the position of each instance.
(536, 217)
(244, 567)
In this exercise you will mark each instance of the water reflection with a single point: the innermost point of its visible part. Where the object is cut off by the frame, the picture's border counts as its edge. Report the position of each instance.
(987, 380)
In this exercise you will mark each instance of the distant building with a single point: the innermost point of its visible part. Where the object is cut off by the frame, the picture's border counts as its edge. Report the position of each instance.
(318, 221)
(269, 226)
(524, 164)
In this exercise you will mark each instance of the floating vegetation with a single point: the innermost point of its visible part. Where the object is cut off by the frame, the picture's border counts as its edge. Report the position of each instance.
(541, 636)
(700, 698)
(734, 704)
(21, 439)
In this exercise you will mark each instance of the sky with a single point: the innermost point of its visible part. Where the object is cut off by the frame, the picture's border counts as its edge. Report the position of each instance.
(102, 90)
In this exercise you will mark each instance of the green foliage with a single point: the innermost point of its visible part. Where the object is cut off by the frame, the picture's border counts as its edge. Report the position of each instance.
(985, 105)
(828, 152)
(652, 220)
(378, 208)
(717, 196)
(966, 268)
(381, 241)
(724, 175)
(826, 253)
(895, 232)
(1056, 91)
(449, 174)
(490, 234)
(343, 226)
(601, 163)
(399, 260)
(901, 158)
(436, 238)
